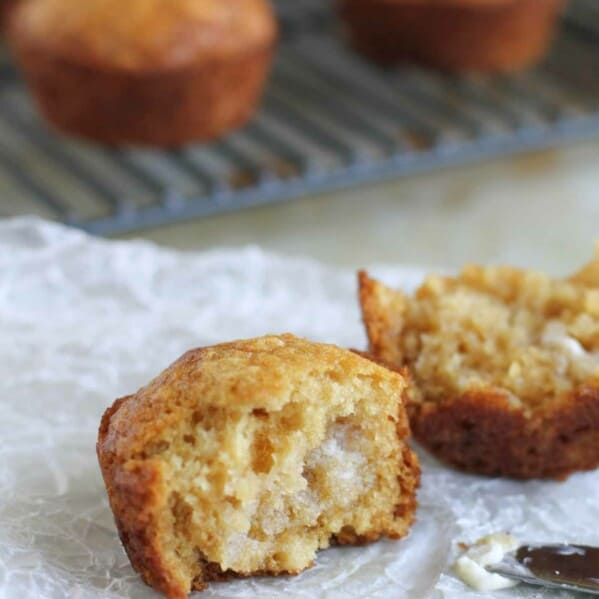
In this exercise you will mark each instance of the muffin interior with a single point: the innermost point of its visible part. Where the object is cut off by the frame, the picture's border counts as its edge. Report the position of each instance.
(522, 333)
(252, 490)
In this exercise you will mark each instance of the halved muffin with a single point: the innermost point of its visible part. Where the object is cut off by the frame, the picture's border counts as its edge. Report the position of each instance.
(248, 457)
(505, 364)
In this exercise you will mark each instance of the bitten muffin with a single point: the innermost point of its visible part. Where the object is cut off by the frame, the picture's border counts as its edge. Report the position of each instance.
(455, 35)
(248, 457)
(156, 72)
(505, 363)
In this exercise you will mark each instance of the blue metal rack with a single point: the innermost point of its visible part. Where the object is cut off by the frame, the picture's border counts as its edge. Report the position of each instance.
(329, 120)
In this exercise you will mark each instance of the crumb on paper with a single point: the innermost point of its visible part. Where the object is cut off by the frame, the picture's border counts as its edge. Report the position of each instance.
(471, 566)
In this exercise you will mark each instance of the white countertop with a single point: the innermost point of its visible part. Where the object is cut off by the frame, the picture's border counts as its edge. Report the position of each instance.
(540, 210)
(101, 319)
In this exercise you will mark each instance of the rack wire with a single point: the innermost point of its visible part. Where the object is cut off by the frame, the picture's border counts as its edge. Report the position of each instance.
(329, 120)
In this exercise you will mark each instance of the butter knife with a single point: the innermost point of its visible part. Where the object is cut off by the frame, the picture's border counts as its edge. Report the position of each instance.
(561, 566)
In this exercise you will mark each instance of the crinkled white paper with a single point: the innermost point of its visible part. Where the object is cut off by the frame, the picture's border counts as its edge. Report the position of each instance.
(83, 321)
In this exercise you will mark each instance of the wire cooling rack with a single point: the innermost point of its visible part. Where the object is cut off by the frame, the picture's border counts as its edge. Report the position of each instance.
(329, 120)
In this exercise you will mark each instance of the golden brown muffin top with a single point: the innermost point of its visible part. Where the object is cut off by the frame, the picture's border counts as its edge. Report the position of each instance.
(143, 35)
(254, 375)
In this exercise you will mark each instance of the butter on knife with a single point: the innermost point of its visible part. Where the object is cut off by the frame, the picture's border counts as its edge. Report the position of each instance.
(497, 561)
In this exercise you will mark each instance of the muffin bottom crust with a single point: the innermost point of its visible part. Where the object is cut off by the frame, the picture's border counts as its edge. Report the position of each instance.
(482, 433)
(457, 35)
(164, 108)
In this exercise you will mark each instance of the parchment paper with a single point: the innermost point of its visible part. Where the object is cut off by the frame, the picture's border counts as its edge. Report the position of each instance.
(83, 321)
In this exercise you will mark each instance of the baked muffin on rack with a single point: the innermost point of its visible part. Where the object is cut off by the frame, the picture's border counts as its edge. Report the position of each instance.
(5, 8)
(455, 35)
(155, 72)
(505, 364)
(248, 457)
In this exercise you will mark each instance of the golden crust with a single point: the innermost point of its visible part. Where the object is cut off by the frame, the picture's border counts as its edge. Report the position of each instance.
(260, 376)
(262, 373)
(458, 35)
(136, 494)
(152, 35)
(487, 430)
(167, 74)
(481, 433)
(166, 109)
(382, 311)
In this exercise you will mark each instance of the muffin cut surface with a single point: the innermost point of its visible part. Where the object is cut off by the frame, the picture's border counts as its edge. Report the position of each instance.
(247, 458)
(506, 363)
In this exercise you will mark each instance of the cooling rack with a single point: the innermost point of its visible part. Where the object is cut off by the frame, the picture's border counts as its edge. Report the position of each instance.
(329, 120)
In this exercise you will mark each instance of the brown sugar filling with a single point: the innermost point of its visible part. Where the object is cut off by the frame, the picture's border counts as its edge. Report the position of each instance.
(255, 491)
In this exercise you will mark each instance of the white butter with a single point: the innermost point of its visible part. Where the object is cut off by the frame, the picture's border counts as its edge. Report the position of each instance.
(555, 334)
(489, 550)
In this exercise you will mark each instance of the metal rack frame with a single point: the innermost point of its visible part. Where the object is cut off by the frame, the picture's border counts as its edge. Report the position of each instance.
(329, 120)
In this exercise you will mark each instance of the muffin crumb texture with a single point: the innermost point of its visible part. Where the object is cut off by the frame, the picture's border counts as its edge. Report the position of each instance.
(247, 458)
(506, 363)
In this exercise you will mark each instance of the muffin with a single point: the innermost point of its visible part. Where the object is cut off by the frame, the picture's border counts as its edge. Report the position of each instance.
(454, 35)
(5, 7)
(148, 72)
(505, 364)
(248, 457)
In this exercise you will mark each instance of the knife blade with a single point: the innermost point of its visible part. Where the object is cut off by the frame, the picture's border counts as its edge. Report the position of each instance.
(563, 566)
